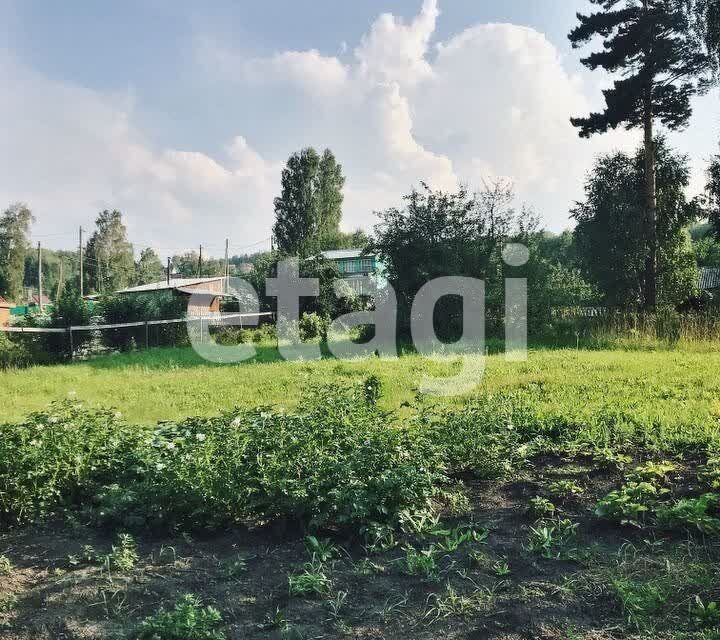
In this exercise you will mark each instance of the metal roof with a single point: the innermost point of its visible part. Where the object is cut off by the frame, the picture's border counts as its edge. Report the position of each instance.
(201, 292)
(340, 254)
(176, 283)
(709, 278)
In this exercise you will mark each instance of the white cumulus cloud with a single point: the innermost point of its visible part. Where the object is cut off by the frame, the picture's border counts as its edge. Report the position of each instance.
(492, 100)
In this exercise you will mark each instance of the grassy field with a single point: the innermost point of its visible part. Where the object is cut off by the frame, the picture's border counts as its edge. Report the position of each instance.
(575, 496)
(168, 384)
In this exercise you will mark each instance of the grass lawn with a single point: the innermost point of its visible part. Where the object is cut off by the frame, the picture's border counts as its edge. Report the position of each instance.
(167, 384)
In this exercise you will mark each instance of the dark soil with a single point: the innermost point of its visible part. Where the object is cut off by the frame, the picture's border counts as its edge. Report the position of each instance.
(496, 588)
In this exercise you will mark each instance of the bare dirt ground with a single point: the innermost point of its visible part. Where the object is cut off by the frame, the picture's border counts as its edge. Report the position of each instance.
(492, 586)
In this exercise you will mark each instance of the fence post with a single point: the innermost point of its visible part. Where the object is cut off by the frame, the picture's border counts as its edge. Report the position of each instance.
(72, 346)
(147, 335)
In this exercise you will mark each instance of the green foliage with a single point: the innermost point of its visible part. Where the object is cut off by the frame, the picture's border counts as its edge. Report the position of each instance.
(541, 507)
(692, 513)
(335, 463)
(69, 310)
(650, 44)
(58, 458)
(234, 335)
(640, 600)
(452, 539)
(13, 353)
(705, 615)
(6, 565)
(313, 327)
(118, 309)
(109, 261)
(610, 229)
(320, 550)
(631, 504)
(712, 190)
(551, 538)
(565, 489)
(440, 234)
(709, 473)
(482, 437)
(308, 211)
(124, 555)
(149, 268)
(651, 471)
(188, 620)
(311, 582)
(421, 563)
(14, 245)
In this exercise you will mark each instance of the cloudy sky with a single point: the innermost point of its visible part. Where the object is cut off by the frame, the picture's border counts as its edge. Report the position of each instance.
(181, 114)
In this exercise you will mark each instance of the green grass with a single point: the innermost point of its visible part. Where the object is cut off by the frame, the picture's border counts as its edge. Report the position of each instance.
(671, 387)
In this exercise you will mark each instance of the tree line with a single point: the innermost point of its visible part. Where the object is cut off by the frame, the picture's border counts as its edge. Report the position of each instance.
(636, 244)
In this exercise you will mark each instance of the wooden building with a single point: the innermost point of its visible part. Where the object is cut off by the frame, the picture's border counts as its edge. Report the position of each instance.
(202, 295)
(5, 307)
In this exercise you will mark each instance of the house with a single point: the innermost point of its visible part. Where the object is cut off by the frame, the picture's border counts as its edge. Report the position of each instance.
(5, 307)
(709, 280)
(354, 265)
(206, 293)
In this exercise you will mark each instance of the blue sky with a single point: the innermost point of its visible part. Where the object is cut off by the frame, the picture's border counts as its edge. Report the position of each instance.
(181, 114)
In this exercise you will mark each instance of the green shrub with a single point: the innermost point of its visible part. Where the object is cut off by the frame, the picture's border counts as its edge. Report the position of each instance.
(13, 354)
(488, 437)
(692, 513)
(117, 309)
(631, 504)
(59, 457)
(187, 621)
(313, 326)
(70, 310)
(334, 463)
(311, 582)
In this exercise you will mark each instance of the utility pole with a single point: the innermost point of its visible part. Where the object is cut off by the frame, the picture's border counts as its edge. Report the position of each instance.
(60, 283)
(168, 272)
(82, 292)
(227, 265)
(200, 263)
(40, 302)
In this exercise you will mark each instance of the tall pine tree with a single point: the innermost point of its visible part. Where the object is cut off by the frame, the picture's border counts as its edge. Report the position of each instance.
(651, 46)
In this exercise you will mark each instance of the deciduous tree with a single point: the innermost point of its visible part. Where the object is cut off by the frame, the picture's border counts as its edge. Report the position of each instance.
(309, 208)
(610, 220)
(109, 260)
(14, 246)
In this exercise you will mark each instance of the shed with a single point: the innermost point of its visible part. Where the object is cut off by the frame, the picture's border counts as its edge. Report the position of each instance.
(205, 292)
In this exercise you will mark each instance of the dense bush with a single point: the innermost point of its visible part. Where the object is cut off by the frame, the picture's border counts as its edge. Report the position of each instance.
(229, 336)
(58, 458)
(70, 310)
(118, 309)
(313, 326)
(334, 463)
(486, 438)
(13, 354)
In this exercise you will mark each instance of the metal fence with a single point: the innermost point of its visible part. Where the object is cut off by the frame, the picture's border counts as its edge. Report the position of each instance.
(214, 320)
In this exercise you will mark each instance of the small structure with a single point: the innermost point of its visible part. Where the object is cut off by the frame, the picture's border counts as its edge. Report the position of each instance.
(709, 280)
(204, 292)
(5, 308)
(354, 265)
